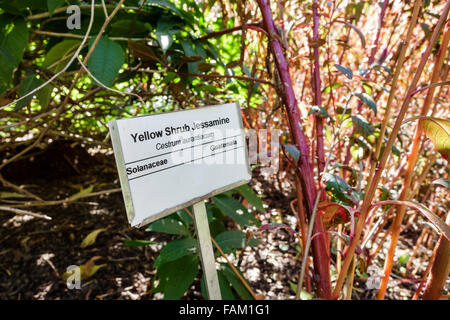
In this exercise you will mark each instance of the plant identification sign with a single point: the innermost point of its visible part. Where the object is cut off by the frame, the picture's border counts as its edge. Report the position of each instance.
(169, 161)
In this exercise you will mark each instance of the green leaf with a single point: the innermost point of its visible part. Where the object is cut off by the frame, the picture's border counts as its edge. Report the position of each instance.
(367, 88)
(189, 51)
(319, 111)
(125, 26)
(247, 192)
(438, 130)
(165, 4)
(442, 182)
(175, 250)
(170, 226)
(236, 283)
(234, 239)
(91, 237)
(184, 217)
(426, 29)
(138, 243)
(12, 45)
(293, 151)
(82, 193)
(216, 227)
(57, 52)
(53, 4)
(234, 209)
(362, 126)
(334, 86)
(177, 276)
(165, 29)
(304, 295)
(9, 195)
(403, 259)
(30, 83)
(338, 188)
(367, 100)
(106, 60)
(225, 288)
(45, 95)
(14, 41)
(345, 71)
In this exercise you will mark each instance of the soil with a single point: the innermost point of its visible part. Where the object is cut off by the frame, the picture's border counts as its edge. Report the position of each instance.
(35, 253)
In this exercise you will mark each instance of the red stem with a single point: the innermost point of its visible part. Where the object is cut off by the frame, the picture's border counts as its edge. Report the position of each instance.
(374, 50)
(317, 93)
(319, 245)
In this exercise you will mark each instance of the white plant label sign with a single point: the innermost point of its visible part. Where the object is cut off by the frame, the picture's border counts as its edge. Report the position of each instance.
(169, 161)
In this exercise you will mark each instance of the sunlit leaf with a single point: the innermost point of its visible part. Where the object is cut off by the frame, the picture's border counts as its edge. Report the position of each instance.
(8, 195)
(83, 192)
(438, 130)
(91, 237)
(403, 259)
(54, 57)
(440, 225)
(86, 270)
(442, 182)
(338, 188)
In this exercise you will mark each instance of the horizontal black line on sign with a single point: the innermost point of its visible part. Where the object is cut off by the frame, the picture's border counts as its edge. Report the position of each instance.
(163, 154)
(184, 163)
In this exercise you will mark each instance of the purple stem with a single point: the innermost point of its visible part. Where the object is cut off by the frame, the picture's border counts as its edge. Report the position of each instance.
(317, 92)
(319, 245)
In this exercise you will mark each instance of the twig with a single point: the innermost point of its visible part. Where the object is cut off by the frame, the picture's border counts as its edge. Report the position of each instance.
(25, 213)
(213, 76)
(231, 30)
(105, 86)
(67, 200)
(18, 189)
(370, 192)
(78, 36)
(104, 8)
(316, 203)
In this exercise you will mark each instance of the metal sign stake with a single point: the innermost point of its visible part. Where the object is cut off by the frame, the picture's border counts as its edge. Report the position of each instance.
(206, 251)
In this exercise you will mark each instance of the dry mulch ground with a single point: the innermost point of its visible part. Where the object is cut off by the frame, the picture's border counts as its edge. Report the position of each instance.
(34, 253)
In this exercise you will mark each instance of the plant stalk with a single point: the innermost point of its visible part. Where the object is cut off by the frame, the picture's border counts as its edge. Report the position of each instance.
(409, 172)
(319, 245)
(387, 150)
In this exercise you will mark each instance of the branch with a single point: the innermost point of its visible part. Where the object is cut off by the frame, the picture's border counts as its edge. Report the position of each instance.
(320, 245)
(25, 213)
(213, 76)
(255, 26)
